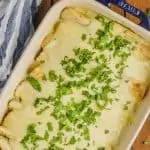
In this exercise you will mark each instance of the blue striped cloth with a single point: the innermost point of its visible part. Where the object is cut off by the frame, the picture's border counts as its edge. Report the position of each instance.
(16, 29)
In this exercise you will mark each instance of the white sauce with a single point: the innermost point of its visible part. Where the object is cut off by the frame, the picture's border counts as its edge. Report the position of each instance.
(67, 37)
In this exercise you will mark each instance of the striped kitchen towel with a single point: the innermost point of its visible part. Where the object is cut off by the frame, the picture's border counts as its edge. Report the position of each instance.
(16, 29)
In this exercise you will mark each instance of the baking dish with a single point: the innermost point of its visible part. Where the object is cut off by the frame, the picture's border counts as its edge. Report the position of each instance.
(130, 132)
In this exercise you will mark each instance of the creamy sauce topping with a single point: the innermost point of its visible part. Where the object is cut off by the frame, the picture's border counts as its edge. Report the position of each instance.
(78, 98)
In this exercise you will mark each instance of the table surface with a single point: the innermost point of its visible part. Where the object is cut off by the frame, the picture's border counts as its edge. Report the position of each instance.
(143, 5)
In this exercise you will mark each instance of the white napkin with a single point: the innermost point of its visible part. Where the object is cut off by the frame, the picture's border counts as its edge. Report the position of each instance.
(16, 29)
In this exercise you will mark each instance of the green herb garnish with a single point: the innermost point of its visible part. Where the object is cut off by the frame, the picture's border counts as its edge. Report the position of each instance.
(42, 110)
(84, 55)
(34, 83)
(96, 82)
(84, 36)
(106, 131)
(72, 67)
(46, 135)
(101, 148)
(72, 140)
(31, 138)
(52, 76)
(86, 134)
(49, 126)
(39, 101)
(100, 18)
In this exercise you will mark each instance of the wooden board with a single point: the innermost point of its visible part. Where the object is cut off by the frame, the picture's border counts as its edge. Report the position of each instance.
(143, 5)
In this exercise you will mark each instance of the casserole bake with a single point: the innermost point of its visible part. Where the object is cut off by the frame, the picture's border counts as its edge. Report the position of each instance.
(81, 89)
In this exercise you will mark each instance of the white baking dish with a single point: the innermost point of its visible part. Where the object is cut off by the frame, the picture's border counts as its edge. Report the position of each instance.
(131, 131)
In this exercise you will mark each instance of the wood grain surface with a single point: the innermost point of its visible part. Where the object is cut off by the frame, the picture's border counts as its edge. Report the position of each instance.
(141, 4)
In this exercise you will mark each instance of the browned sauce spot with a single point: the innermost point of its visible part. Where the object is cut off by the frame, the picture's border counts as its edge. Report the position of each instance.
(50, 36)
(138, 89)
(145, 50)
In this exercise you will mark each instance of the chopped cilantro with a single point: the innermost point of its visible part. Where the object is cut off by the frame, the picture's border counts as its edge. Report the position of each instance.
(101, 148)
(100, 18)
(49, 126)
(100, 33)
(31, 138)
(84, 36)
(126, 105)
(72, 67)
(80, 126)
(34, 83)
(84, 55)
(44, 77)
(72, 140)
(63, 89)
(95, 82)
(39, 101)
(64, 126)
(58, 138)
(42, 110)
(86, 133)
(109, 26)
(20, 99)
(106, 131)
(53, 146)
(46, 135)
(90, 116)
(120, 42)
(52, 76)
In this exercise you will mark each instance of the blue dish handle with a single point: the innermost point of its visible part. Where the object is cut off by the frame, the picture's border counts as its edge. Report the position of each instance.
(144, 19)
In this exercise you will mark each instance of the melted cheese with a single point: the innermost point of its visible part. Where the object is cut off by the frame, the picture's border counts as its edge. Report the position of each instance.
(67, 37)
